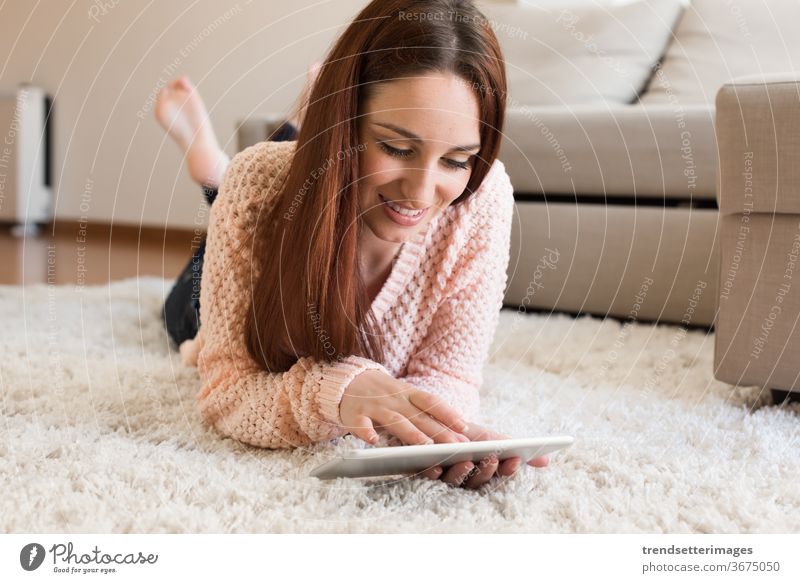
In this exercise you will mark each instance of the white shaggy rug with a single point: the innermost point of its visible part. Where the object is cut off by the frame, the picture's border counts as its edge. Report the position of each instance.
(102, 435)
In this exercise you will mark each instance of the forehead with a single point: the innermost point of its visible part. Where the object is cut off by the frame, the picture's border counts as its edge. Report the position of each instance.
(435, 106)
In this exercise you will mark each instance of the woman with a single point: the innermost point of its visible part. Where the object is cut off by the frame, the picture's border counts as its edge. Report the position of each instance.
(353, 276)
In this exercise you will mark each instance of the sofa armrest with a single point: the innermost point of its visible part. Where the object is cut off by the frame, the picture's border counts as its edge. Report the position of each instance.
(757, 340)
(758, 128)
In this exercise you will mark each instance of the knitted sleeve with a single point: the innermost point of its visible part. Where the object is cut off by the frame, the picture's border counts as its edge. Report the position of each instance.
(449, 362)
(273, 410)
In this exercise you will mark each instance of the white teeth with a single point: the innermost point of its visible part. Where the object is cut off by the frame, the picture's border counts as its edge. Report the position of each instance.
(402, 211)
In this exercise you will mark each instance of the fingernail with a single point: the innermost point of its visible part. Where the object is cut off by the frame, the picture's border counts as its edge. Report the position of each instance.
(464, 427)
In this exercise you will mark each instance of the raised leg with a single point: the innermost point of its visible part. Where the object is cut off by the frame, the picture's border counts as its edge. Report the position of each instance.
(181, 112)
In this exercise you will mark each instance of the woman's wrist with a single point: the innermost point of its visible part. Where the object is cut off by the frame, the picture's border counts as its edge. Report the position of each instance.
(336, 378)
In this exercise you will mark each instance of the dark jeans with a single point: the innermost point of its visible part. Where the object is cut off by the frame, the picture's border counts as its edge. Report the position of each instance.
(181, 311)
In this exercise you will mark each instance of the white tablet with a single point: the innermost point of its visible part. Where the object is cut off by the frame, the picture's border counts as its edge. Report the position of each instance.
(385, 461)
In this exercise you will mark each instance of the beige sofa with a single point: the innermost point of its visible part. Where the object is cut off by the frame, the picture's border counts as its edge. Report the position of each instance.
(610, 145)
(758, 328)
(625, 191)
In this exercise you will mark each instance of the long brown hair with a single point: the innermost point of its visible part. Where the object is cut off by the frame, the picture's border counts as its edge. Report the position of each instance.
(310, 298)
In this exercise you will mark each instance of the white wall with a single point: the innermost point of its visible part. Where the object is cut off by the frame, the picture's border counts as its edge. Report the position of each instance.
(103, 60)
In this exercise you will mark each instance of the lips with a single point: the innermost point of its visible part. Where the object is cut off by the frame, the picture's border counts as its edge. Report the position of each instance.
(401, 217)
(400, 209)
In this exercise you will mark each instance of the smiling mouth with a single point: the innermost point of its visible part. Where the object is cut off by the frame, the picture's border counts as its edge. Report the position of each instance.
(401, 210)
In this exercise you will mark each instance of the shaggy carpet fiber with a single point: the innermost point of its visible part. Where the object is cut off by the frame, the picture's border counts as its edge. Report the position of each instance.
(102, 435)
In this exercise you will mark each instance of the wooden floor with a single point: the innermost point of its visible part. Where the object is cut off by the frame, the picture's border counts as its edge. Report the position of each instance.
(89, 254)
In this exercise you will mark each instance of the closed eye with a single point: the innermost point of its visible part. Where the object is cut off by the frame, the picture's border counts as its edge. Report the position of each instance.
(396, 153)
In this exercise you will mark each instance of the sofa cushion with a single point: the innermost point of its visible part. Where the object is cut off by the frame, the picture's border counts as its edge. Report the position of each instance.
(579, 55)
(612, 151)
(717, 40)
(598, 258)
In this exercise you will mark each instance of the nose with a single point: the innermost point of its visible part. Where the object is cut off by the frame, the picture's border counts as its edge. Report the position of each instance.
(420, 186)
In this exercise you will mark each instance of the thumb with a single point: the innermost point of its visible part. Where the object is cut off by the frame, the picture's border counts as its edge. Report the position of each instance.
(362, 428)
(539, 462)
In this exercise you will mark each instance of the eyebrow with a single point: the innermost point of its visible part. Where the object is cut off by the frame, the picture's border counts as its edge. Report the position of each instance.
(415, 137)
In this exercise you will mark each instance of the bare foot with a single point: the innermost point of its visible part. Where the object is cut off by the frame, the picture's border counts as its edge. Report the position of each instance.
(182, 113)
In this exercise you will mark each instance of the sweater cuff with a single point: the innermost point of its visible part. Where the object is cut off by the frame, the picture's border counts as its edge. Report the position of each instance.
(335, 379)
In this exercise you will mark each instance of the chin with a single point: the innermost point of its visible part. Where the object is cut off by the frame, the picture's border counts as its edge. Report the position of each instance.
(391, 233)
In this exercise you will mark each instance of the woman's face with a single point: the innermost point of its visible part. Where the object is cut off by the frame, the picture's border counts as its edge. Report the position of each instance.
(419, 135)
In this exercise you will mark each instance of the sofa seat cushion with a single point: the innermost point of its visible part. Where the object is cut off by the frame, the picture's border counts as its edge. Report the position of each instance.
(641, 262)
(578, 55)
(717, 40)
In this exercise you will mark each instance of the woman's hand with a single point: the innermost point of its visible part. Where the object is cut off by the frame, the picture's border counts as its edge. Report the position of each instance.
(375, 399)
(469, 475)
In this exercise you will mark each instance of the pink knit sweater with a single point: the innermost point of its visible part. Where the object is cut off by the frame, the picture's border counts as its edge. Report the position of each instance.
(438, 311)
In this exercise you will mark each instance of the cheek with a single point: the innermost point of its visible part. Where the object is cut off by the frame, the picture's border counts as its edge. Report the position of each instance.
(379, 170)
(373, 174)
(453, 189)
(376, 167)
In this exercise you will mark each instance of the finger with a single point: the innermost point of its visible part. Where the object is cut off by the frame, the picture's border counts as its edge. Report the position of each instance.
(364, 429)
(437, 408)
(398, 424)
(539, 462)
(431, 427)
(438, 432)
(486, 469)
(509, 466)
(479, 433)
(433, 473)
(457, 473)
